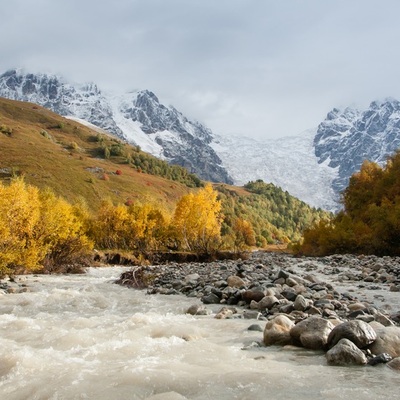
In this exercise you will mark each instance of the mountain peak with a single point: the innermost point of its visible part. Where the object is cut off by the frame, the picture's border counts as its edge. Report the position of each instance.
(138, 117)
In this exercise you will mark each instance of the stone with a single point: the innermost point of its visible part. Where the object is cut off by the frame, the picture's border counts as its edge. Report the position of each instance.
(301, 303)
(345, 352)
(312, 333)
(387, 341)
(197, 309)
(289, 294)
(211, 299)
(252, 295)
(251, 314)
(235, 281)
(380, 359)
(359, 332)
(277, 331)
(225, 313)
(255, 328)
(267, 302)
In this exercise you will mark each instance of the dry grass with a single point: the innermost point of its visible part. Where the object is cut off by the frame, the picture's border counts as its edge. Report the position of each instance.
(52, 151)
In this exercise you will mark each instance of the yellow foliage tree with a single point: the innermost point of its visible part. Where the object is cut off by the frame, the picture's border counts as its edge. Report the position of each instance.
(197, 221)
(36, 226)
(244, 236)
(19, 216)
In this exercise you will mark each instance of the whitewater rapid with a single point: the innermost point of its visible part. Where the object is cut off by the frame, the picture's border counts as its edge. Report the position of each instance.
(83, 337)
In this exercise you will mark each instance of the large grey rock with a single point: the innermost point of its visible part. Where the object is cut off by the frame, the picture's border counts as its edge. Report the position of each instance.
(345, 352)
(387, 341)
(277, 331)
(359, 332)
(312, 333)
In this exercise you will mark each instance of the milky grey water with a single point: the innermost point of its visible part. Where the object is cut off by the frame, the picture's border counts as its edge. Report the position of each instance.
(82, 337)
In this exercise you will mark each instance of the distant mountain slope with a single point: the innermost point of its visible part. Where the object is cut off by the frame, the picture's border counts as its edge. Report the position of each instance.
(314, 166)
(346, 138)
(52, 151)
(288, 162)
(137, 117)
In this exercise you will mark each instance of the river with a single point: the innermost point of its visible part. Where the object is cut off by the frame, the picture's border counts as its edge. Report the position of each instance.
(82, 337)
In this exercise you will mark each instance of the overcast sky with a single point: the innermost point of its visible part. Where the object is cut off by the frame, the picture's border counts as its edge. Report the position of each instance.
(259, 68)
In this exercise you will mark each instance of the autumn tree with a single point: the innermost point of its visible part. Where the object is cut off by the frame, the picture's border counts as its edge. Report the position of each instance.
(35, 226)
(244, 236)
(197, 221)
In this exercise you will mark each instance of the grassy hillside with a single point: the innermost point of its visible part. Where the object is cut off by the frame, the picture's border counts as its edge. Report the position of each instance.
(75, 160)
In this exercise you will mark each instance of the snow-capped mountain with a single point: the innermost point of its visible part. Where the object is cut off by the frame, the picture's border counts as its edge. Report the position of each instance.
(346, 138)
(137, 117)
(314, 166)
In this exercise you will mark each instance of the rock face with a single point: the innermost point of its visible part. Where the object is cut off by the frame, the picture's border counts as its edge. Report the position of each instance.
(137, 117)
(347, 137)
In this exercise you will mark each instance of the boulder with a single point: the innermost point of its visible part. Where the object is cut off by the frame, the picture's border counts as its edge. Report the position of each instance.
(267, 302)
(387, 341)
(359, 332)
(301, 303)
(211, 299)
(277, 331)
(345, 352)
(312, 333)
(235, 281)
(252, 295)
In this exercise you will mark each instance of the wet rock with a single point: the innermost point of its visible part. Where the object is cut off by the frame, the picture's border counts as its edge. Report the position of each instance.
(197, 309)
(251, 314)
(359, 332)
(387, 341)
(225, 313)
(211, 299)
(255, 328)
(345, 352)
(380, 359)
(277, 331)
(312, 333)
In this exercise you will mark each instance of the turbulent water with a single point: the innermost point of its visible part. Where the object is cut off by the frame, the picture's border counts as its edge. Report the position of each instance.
(82, 337)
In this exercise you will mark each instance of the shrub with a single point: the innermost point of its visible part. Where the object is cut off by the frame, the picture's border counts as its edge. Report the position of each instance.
(6, 130)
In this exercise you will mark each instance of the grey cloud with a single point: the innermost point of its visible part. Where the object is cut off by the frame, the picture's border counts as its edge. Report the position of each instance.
(255, 67)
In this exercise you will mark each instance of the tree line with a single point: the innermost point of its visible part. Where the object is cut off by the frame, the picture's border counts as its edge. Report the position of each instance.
(370, 220)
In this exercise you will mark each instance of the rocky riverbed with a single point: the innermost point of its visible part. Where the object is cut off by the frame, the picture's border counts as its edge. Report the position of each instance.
(347, 306)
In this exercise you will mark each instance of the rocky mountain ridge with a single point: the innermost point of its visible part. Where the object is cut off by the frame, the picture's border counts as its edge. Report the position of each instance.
(136, 117)
(314, 166)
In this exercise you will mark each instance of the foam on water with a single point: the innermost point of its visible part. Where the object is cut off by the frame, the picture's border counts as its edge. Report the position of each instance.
(81, 337)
